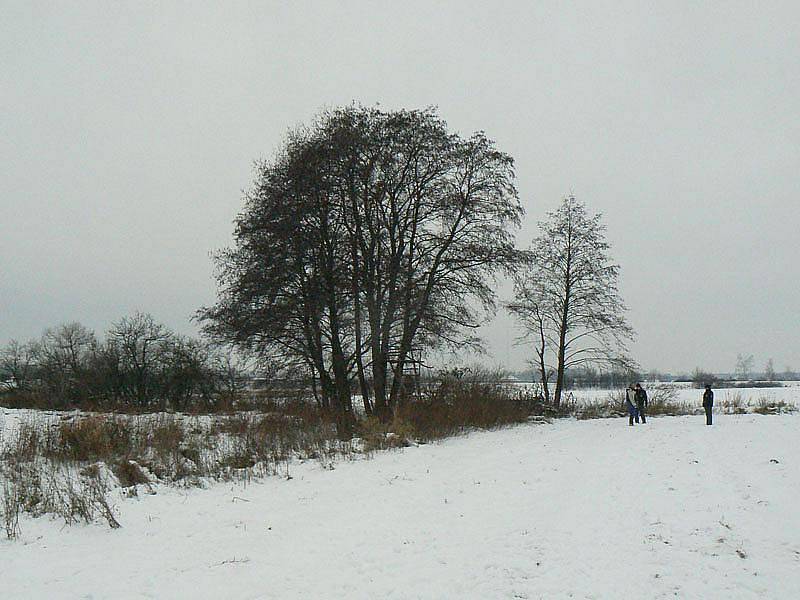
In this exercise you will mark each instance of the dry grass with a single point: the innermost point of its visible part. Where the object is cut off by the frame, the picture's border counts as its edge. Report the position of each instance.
(457, 405)
(769, 406)
(663, 400)
(65, 465)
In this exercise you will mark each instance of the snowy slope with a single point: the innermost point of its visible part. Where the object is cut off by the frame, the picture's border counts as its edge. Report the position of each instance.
(590, 509)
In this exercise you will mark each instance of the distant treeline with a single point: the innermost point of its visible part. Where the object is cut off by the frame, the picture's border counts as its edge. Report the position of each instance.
(592, 378)
(138, 364)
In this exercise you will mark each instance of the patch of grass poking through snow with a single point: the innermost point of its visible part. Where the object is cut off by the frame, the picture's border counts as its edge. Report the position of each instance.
(768, 406)
(11, 510)
(663, 400)
(65, 465)
(44, 488)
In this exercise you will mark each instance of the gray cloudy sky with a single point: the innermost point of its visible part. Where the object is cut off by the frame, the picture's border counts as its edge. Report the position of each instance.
(127, 131)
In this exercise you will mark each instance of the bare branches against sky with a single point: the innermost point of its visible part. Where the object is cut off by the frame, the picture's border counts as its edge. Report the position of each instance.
(128, 132)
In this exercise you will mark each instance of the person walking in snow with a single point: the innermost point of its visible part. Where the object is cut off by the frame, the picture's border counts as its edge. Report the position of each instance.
(708, 402)
(630, 404)
(640, 395)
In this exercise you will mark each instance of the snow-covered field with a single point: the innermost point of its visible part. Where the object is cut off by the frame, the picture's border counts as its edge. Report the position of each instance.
(573, 509)
(749, 396)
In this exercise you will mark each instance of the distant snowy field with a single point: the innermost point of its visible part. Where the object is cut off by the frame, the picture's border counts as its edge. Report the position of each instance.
(789, 393)
(573, 509)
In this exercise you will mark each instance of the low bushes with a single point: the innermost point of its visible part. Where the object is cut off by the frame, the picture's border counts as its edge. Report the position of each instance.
(65, 465)
(457, 404)
(768, 406)
(44, 487)
(663, 400)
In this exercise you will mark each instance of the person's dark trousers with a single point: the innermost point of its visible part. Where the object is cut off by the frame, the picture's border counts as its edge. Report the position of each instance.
(630, 419)
(708, 415)
(640, 409)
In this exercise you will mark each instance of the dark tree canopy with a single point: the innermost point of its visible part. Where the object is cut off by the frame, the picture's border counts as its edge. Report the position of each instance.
(372, 236)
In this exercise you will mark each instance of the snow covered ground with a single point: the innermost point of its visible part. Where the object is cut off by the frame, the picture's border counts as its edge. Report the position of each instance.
(573, 509)
(748, 396)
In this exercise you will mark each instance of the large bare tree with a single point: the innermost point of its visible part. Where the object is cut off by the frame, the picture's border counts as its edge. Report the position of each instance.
(372, 234)
(567, 300)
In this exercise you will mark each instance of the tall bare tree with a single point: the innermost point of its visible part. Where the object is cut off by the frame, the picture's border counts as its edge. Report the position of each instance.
(284, 287)
(18, 363)
(371, 235)
(429, 220)
(62, 357)
(769, 370)
(566, 297)
(744, 366)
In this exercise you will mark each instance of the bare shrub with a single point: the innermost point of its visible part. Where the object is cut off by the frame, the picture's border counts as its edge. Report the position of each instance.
(44, 487)
(93, 438)
(11, 510)
(733, 404)
(96, 490)
(600, 409)
(769, 406)
(26, 444)
(663, 400)
(377, 435)
(458, 403)
(130, 473)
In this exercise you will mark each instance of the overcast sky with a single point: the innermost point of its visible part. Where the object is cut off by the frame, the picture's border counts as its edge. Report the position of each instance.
(128, 130)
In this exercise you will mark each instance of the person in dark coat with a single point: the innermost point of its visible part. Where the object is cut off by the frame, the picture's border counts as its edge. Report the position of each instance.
(630, 404)
(708, 402)
(641, 401)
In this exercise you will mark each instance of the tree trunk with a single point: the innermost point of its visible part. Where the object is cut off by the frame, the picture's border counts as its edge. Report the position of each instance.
(379, 360)
(362, 380)
(540, 351)
(543, 375)
(561, 353)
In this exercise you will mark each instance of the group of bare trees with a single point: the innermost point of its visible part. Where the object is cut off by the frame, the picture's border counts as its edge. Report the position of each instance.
(372, 236)
(745, 364)
(138, 364)
(375, 236)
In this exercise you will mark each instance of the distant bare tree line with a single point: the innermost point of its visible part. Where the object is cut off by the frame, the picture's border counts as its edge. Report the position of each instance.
(138, 363)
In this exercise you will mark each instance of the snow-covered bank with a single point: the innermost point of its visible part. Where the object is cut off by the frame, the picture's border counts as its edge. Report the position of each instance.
(589, 509)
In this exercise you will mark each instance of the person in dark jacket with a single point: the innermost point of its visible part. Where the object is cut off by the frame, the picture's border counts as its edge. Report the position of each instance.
(641, 401)
(630, 404)
(708, 403)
